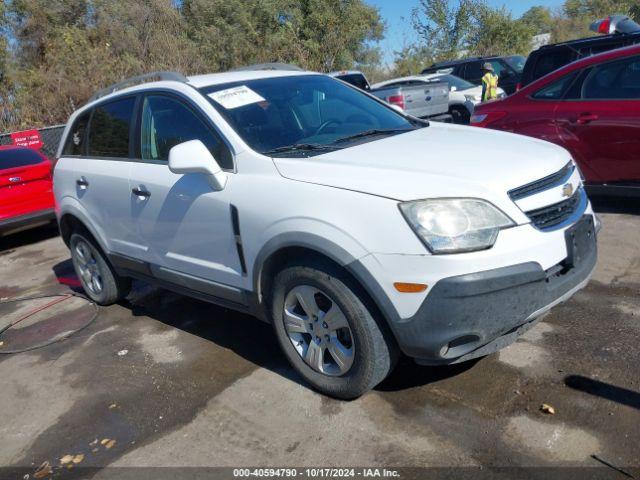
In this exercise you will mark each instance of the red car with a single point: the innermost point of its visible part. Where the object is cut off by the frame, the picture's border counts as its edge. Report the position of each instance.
(26, 189)
(592, 108)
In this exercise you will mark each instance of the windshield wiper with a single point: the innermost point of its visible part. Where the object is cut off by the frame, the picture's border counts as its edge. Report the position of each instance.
(301, 147)
(372, 132)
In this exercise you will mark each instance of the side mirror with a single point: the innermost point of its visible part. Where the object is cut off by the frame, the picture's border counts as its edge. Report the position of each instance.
(454, 89)
(194, 157)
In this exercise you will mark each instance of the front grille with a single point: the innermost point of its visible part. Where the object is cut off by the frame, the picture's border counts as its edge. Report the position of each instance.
(552, 216)
(543, 184)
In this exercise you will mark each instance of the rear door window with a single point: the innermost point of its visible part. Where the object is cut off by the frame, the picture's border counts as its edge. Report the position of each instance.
(76, 140)
(499, 68)
(473, 72)
(18, 157)
(110, 129)
(618, 80)
(167, 122)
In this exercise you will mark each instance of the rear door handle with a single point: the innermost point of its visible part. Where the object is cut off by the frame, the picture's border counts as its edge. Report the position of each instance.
(141, 192)
(585, 118)
(82, 183)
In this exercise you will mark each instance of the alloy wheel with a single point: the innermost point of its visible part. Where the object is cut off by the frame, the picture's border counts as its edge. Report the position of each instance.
(88, 268)
(318, 330)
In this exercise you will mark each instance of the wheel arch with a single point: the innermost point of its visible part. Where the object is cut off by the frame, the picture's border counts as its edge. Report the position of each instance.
(72, 221)
(278, 254)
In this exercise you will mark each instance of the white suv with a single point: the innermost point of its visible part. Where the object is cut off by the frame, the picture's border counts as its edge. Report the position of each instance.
(357, 231)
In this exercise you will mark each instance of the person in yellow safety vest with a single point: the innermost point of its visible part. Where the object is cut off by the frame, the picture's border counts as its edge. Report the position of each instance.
(489, 83)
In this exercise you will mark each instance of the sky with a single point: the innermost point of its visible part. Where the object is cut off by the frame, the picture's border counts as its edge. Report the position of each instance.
(397, 14)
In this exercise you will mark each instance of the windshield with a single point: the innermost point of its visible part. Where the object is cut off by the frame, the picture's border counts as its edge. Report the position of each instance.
(454, 81)
(516, 62)
(313, 111)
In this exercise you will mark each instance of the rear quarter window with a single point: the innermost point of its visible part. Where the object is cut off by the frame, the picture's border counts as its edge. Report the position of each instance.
(19, 157)
(550, 61)
(76, 140)
(357, 80)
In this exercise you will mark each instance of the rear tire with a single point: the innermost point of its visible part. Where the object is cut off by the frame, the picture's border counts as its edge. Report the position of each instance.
(98, 278)
(356, 356)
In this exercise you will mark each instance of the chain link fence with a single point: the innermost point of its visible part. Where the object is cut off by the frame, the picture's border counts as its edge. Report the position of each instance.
(50, 138)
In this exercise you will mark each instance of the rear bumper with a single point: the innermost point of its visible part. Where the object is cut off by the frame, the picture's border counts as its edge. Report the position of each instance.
(469, 316)
(23, 222)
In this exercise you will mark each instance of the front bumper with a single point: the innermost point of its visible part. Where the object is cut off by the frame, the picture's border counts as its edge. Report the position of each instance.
(23, 222)
(471, 315)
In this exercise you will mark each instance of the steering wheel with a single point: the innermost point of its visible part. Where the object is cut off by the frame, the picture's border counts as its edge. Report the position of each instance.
(326, 124)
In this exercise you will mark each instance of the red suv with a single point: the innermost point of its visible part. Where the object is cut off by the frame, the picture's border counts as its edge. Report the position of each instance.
(592, 108)
(26, 190)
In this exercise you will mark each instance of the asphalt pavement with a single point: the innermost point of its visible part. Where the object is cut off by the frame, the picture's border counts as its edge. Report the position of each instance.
(163, 380)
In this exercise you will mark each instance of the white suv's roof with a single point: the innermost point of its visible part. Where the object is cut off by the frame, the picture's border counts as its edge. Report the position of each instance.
(207, 80)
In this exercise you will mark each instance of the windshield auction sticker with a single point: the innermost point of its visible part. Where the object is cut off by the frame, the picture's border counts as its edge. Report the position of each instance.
(236, 97)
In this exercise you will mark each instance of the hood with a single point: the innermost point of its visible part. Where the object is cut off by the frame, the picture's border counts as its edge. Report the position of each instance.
(437, 161)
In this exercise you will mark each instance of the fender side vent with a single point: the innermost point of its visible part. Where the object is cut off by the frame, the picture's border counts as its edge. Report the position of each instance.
(235, 222)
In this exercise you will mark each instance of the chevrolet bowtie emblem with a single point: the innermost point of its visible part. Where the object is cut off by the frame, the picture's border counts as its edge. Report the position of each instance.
(567, 190)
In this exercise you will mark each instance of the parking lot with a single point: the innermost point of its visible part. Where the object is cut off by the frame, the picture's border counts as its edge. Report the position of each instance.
(176, 382)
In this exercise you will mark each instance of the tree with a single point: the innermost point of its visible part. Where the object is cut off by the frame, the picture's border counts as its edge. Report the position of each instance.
(444, 27)
(595, 9)
(497, 33)
(470, 27)
(411, 59)
(577, 15)
(539, 19)
(317, 34)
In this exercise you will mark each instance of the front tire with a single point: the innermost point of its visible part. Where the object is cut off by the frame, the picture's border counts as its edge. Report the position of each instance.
(98, 278)
(328, 333)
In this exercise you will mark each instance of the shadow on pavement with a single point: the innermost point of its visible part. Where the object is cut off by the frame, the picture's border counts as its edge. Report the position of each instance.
(628, 205)
(243, 334)
(28, 237)
(604, 390)
(408, 374)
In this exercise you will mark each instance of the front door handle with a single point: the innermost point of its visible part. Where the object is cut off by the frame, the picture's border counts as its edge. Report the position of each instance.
(586, 118)
(82, 183)
(141, 192)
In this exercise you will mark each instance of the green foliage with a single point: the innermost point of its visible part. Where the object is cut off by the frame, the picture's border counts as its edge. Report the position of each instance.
(64, 50)
(453, 29)
(578, 15)
(410, 60)
(470, 27)
(497, 33)
(539, 19)
(446, 28)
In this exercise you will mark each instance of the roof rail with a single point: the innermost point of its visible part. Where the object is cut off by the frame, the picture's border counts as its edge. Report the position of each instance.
(269, 66)
(147, 77)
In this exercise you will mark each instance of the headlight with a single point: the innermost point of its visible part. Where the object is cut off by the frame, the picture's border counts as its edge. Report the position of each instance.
(472, 98)
(455, 225)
